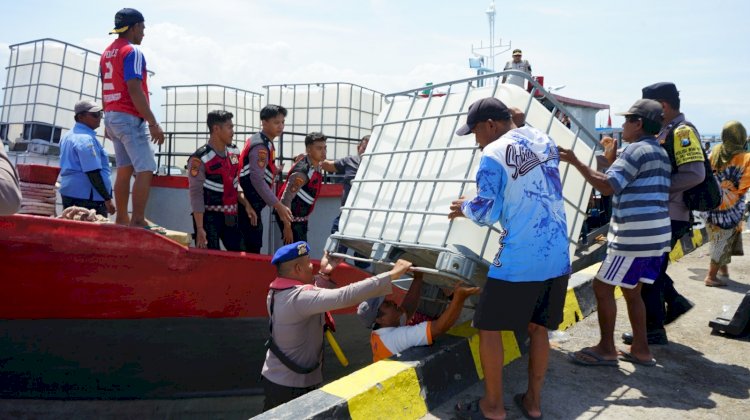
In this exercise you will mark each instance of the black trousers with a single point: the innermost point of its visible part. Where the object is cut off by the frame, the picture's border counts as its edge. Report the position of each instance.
(276, 394)
(252, 235)
(98, 206)
(662, 291)
(224, 227)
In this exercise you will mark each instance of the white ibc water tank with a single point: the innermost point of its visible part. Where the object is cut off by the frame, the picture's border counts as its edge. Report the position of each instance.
(45, 79)
(415, 165)
(342, 111)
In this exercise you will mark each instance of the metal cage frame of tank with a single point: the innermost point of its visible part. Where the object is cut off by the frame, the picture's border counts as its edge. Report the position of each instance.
(44, 80)
(375, 224)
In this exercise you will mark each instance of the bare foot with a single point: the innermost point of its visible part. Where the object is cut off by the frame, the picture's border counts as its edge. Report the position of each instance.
(714, 282)
(492, 412)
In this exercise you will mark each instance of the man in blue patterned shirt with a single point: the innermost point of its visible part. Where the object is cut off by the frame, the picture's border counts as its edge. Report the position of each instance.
(518, 185)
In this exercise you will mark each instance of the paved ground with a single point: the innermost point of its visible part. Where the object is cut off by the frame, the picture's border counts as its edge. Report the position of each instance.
(699, 375)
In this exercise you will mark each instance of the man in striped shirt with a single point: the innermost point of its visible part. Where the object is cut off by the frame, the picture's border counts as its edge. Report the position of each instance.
(639, 232)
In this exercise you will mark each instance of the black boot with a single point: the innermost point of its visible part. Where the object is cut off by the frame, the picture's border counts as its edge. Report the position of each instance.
(655, 337)
(677, 308)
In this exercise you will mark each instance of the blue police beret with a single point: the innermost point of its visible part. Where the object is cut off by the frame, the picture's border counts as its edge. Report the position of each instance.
(290, 252)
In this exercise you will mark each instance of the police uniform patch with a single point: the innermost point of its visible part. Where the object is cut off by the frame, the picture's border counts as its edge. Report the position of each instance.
(262, 158)
(298, 182)
(195, 165)
(687, 147)
(302, 249)
(234, 159)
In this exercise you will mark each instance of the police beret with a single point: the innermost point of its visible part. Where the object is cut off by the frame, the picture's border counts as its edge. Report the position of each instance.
(290, 252)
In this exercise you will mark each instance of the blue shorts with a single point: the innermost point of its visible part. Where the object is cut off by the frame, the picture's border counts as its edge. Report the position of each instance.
(131, 140)
(627, 272)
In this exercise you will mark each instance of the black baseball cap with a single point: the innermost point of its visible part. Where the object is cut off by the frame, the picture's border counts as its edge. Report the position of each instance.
(665, 91)
(481, 110)
(125, 18)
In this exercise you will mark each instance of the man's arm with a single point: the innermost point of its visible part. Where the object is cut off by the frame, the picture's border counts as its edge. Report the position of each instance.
(10, 191)
(138, 96)
(485, 208)
(597, 179)
(257, 163)
(688, 175)
(293, 184)
(329, 166)
(95, 177)
(449, 317)
(317, 301)
(196, 178)
(242, 201)
(411, 300)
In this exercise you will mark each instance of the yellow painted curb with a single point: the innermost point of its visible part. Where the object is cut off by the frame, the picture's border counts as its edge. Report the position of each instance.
(387, 389)
(677, 252)
(571, 312)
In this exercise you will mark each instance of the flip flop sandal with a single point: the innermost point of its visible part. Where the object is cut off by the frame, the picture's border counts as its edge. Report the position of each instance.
(712, 283)
(518, 399)
(598, 360)
(628, 357)
(156, 229)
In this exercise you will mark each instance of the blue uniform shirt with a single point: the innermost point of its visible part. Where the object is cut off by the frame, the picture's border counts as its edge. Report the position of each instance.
(518, 185)
(81, 152)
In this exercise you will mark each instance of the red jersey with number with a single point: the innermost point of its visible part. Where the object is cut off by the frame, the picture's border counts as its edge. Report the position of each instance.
(120, 62)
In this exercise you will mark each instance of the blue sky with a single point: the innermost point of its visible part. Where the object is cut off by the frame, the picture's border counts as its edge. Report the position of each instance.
(602, 51)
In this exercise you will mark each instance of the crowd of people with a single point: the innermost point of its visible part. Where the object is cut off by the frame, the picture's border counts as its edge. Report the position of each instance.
(229, 188)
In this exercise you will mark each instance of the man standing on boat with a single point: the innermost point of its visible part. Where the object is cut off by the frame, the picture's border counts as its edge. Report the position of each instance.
(301, 189)
(297, 301)
(129, 121)
(518, 185)
(213, 180)
(517, 64)
(258, 173)
(681, 140)
(84, 164)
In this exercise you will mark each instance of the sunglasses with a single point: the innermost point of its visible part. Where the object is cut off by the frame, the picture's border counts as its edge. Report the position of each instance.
(97, 114)
(632, 119)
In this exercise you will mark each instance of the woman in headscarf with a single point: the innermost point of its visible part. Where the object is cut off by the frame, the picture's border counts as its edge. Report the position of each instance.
(731, 163)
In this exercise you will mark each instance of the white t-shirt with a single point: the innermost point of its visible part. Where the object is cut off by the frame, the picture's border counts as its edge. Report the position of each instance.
(388, 341)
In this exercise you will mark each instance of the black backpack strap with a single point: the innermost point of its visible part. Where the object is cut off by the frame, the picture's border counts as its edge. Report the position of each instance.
(271, 345)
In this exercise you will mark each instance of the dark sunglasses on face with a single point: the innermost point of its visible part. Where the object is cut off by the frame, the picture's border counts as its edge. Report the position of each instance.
(632, 119)
(97, 114)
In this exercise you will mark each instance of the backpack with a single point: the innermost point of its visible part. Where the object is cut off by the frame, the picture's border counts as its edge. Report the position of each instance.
(706, 195)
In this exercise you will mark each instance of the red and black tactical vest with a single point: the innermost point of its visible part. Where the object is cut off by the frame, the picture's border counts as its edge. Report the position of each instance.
(304, 202)
(266, 159)
(220, 187)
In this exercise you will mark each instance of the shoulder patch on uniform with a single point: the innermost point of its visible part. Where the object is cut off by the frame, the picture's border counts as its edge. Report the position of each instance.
(234, 159)
(262, 158)
(298, 181)
(195, 165)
